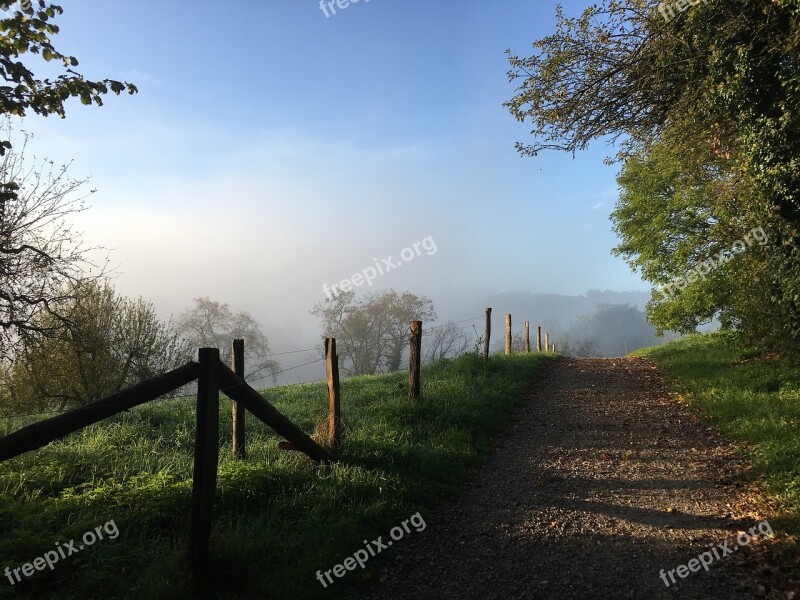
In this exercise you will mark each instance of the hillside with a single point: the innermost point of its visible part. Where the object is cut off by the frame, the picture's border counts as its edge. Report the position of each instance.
(279, 518)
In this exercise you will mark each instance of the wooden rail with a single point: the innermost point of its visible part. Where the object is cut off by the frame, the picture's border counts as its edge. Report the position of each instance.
(42, 433)
(213, 377)
(235, 388)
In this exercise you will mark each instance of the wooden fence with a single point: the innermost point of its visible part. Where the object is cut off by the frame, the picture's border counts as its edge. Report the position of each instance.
(509, 340)
(215, 378)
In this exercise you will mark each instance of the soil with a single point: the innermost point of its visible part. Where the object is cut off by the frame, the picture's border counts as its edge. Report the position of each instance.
(601, 481)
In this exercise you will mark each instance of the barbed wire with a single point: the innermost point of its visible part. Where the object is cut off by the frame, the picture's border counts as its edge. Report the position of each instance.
(292, 352)
(276, 373)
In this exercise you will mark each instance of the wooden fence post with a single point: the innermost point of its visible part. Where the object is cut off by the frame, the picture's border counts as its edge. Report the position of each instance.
(508, 333)
(554, 347)
(206, 455)
(547, 342)
(238, 414)
(527, 336)
(414, 360)
(332, 376)
(488, 334)
(538, 339)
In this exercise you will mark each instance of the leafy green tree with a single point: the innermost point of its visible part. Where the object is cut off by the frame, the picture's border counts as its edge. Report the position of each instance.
(705, 105)
(112, 343)
(372, 332)
(28, 32)
(685, 227)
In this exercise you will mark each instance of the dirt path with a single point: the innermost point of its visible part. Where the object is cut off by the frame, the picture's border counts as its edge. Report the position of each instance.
(601, 482)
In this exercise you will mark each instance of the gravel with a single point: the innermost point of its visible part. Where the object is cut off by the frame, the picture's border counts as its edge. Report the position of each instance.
(601, 481)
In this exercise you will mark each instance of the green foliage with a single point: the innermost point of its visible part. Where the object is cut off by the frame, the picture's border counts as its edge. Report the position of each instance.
(753, 398)
(707, 103)
(279, 518)
(111, 343)
(29, 33)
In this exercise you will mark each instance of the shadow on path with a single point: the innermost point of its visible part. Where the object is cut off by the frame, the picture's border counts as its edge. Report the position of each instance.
(601, 483)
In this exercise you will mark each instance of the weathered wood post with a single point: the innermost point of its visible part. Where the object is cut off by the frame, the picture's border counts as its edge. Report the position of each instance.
(488, 334)
(538, 339)
(555, 349)
(206, 455)
(547, 342)
(414, 360)
(527, 336)
(238, 411)
(508, 333)
(334, 409)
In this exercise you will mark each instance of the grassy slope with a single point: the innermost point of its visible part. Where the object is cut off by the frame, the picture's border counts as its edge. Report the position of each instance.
(753, 399)
(279, 518)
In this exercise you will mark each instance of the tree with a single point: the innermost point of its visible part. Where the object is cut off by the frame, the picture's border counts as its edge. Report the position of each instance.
(444, 341)
(611, 330)
(372, 333)
(588, 80)
(686, 228)
(39, 252)
(705, 100)
(213, 325)
(28, 32)
(113, 342)
(43, 263)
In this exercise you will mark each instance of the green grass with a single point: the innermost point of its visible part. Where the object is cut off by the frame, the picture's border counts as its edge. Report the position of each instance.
(753, 399)
(279, 517)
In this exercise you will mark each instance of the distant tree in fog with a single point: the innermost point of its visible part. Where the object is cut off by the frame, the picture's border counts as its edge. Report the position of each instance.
(444, 341)
(372, 332)
(213, 325)
(611, 330)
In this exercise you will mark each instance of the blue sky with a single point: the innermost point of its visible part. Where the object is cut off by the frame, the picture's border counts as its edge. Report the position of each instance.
(271, 150)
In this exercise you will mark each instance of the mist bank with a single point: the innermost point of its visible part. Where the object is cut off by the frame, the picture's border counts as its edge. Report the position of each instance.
(567, 318)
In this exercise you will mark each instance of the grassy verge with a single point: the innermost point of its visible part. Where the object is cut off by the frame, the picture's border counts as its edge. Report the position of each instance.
(753, 399)
(279, 518)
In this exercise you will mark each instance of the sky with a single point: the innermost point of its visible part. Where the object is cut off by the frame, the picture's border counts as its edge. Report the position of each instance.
(272, 149)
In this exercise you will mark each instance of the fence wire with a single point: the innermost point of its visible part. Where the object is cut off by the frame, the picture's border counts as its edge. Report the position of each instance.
(251, 378)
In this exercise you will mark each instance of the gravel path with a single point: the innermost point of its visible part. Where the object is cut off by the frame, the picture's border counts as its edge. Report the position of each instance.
(601, 481)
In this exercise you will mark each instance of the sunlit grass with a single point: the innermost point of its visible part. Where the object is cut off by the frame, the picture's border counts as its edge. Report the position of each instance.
(279, 517)
(753, 399)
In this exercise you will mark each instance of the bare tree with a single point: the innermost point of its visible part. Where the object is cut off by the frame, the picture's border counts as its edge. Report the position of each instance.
(372, 333)
(213, 325)
(43, 262)
(445, 341)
